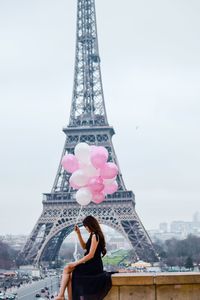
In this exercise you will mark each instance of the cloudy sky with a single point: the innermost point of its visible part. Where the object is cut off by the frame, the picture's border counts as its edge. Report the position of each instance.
(150, 56)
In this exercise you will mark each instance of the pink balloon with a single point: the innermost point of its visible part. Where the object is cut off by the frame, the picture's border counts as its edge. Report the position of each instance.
(95, 184)
(109, 170)
(110, 189)
(109, 181)
(98, 198)
(70, 163)
(73, 185)
(99, 156)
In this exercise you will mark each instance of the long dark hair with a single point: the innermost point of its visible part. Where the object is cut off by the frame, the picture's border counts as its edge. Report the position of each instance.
(94, 226)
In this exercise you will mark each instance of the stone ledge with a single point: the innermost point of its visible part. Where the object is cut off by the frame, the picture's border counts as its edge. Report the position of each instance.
(155, 286)
(132, 279)
(155, 278)
(177, 278)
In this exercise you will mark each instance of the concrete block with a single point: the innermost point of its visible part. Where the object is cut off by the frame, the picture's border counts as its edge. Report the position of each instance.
(113, 294)
(178, 292)
(132, 279)
(137, 293)
(177, 278)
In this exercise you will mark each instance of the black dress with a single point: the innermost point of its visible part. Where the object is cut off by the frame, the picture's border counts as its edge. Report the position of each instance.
(89, 280)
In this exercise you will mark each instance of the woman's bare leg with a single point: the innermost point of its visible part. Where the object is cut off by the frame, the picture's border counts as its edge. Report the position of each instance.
(64, 282)
(69, 288)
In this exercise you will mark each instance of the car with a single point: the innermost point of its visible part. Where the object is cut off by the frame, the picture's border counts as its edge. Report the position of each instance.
(10, 297)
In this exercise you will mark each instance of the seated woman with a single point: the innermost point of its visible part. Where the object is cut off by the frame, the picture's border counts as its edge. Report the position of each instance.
(85, 279)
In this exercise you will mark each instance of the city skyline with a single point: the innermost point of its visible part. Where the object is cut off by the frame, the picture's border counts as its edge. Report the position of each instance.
(150, 72)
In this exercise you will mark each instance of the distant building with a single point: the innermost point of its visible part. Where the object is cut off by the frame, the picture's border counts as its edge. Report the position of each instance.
(118, 242)
(156, 235)
(185, 228)
(196, 217)
(31, 270)
(178, 229)
(181, 227)
(163, 227)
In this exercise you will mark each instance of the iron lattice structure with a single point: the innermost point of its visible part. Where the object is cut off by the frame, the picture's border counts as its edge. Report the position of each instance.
(88, 123)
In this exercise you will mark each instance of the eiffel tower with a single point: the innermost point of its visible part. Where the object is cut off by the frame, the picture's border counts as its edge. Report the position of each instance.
(88, 123)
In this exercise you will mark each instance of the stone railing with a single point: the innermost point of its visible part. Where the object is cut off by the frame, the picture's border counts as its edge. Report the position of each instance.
(155, 286)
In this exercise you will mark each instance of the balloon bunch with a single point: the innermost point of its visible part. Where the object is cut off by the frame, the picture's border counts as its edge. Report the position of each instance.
(92, 175)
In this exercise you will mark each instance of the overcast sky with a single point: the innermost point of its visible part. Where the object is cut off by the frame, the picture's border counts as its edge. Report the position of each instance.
(150, 58)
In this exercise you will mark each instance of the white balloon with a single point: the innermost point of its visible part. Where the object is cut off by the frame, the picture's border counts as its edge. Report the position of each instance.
(82, 152)
(89, 170)
(83, 196)
(109, 181)
(79, 178)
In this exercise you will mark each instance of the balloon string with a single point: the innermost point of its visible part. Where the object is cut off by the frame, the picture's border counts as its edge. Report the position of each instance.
(79, 214)
(76, 242)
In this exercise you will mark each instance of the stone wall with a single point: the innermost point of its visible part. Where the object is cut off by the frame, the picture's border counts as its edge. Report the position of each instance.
(151, 286)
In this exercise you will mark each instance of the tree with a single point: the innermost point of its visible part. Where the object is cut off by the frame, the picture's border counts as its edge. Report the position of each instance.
(189, 263)
(175, 252)
(7, 256)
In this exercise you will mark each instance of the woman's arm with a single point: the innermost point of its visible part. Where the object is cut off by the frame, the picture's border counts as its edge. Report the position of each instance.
(90, 255)
(82, 242)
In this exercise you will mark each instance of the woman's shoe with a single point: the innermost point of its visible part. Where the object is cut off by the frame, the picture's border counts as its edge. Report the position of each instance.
(59, 298)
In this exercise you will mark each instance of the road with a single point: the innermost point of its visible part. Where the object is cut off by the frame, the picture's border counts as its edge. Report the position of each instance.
(29, 291)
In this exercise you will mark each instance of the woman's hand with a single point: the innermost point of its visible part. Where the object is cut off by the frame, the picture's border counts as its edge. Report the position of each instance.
(77, 230)
(72, 266)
